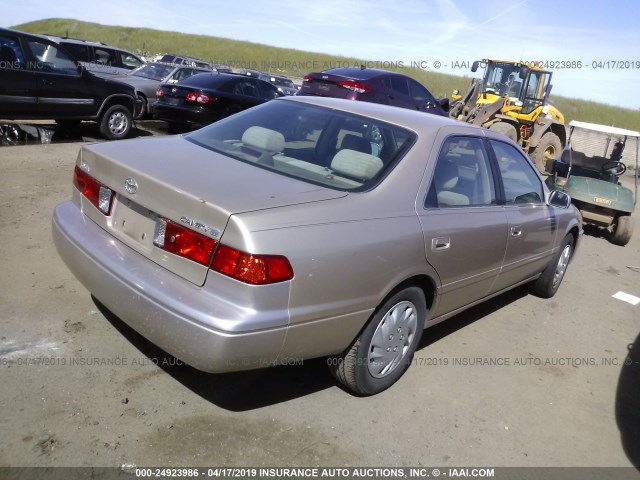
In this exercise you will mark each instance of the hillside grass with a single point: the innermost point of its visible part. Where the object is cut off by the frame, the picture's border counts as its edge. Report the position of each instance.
(293, 63)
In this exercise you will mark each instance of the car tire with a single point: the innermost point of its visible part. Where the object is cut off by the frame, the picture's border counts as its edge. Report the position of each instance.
(506, 129)
(622, 230)
(547, 150)
(548, 283)
(115, 123)
(142, 111)
(384, 349)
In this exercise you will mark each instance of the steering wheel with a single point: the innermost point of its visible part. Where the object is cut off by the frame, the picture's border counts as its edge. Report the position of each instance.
(614, 168)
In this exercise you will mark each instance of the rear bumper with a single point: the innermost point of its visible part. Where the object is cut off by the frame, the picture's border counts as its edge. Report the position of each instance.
(171, 312)
(177, 114)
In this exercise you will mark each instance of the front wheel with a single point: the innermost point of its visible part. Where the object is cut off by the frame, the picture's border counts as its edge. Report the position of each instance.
(141, 107)
(384, 349)
(115, 123)
(548, 283)
(547, 150)
(622, 230)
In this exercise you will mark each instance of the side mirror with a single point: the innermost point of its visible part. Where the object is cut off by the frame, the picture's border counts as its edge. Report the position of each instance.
(559, 199)
(474, 66)
(524, 72)
(444, 103)
(81, 69)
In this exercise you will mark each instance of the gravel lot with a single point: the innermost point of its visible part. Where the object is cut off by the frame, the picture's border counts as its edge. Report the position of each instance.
(518, 381)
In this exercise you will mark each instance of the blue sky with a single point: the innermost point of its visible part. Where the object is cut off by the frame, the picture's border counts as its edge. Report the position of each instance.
(425, 31)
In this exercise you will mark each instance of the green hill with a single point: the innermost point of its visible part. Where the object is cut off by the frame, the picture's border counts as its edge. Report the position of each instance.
(291, 62)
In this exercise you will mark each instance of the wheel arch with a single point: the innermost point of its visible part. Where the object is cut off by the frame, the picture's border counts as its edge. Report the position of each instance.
(112, 100)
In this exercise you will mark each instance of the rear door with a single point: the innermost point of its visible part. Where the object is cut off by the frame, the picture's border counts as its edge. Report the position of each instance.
(18, 82)
(465, 229)
(533, 226)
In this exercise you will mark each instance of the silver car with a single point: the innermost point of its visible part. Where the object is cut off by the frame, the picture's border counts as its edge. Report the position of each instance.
(310, 227)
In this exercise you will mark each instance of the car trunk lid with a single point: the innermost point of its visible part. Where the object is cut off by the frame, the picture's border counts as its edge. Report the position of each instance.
(326, 85)
(172, 178)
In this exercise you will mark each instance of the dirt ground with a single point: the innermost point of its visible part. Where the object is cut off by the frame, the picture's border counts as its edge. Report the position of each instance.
(518, 381)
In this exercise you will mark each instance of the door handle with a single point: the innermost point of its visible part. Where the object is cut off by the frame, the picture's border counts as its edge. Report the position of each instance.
(516, 231)
(440, 243)
(47, 82)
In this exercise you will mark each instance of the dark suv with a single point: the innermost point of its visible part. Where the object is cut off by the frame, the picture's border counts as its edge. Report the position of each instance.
(39, 79)
(373, 85)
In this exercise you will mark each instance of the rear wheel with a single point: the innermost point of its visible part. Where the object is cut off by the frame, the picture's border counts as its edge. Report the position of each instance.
(384, 349)
(115, 123)
(546, 152)
(548, 283)
(506, 129)
(622, 230)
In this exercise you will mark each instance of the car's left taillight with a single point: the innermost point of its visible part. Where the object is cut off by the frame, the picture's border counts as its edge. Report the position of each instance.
(99, 195)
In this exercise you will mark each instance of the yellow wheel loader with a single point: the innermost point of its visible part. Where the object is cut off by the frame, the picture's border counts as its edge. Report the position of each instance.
(513, 98)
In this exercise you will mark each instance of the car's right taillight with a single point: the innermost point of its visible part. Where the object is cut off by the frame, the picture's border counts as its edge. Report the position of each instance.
(307, 78)
(251, 268)
(354, 86)
(99, 195)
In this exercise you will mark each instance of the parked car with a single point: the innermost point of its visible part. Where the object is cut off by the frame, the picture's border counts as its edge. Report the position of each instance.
(148, 78)
(270, 236)
(182, 60)
(39, 79)
(373, 85)
(100, 58)
(207, 97)
(283, 84)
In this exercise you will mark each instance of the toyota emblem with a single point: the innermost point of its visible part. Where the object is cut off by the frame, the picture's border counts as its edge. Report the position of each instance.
(130, 185)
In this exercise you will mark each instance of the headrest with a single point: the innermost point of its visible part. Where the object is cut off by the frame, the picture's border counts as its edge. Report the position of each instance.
(356, 164)
(264, 139)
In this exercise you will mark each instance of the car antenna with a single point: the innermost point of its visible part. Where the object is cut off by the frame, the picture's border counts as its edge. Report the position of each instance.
(362, 67)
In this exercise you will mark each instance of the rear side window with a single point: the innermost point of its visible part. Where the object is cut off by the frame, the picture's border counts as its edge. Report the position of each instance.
(521, 183)
(81, 53)
(397, 84)
(106, 56)
(11, 56)
(463, 175)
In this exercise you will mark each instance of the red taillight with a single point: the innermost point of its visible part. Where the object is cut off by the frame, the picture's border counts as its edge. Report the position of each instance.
(307, 78)
(198, 98)
(253, 269)
(354, 86)
(184, 242)
(245, 267)
(159, 93)
(99, 195)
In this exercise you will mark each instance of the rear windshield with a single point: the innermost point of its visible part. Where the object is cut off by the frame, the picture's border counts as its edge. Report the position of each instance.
(314, 144)
(205, 80)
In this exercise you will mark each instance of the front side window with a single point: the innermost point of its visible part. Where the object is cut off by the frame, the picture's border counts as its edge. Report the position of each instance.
(521, 183)
(49, 58)
(130, 61)
(419, 93)
(463, 176)
(313, 144)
